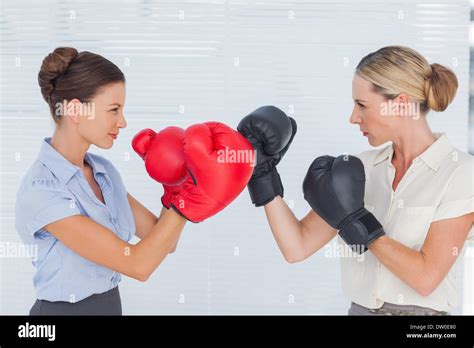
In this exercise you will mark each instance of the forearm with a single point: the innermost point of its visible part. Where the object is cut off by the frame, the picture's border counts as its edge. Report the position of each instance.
(173, 248)
(146, 220)
(148, 254)
(407, 264)
(286, 228)
(297, 239)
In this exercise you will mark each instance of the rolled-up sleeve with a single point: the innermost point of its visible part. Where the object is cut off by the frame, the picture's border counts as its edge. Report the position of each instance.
(42, 202)
(458, 199)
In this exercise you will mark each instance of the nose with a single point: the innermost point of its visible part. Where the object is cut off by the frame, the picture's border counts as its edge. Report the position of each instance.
(121, 122)
(355, 117)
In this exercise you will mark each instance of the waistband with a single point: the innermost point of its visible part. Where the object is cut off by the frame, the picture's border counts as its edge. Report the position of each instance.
(394, 309)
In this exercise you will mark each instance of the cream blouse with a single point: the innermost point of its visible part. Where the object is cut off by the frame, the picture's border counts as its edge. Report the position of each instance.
(438, 185)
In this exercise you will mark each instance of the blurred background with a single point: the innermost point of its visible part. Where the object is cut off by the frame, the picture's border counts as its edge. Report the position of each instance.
(192, 61)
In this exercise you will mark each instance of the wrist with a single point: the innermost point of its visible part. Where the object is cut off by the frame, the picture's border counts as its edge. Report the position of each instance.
(360, 229)
(264, 188)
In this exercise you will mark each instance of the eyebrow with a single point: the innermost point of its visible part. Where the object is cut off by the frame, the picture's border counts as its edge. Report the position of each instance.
(359, 100)
(115, 104)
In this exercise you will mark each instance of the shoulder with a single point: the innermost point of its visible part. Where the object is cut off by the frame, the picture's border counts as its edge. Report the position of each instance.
(40, 189)
(455, 176)
(41, 199)
(459, 166)
(462, 159)
(37, 176)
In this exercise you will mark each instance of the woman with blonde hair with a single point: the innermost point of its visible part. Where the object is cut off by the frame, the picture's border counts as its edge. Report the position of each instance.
(406, 208)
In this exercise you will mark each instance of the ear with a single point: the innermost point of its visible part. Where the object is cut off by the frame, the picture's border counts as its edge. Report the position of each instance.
(403, 102)
(73, 110)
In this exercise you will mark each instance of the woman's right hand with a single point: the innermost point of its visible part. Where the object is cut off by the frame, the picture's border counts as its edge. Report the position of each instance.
(270, 131)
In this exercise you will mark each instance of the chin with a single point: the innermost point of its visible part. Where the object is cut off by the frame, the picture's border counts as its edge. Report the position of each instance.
(377, 141)
(374, 141)
(106, 144)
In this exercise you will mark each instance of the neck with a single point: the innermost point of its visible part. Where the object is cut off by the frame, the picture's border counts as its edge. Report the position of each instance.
(71, 145)
(415, 139)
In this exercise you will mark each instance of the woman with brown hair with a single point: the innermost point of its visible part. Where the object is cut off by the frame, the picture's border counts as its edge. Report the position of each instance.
(73, 204)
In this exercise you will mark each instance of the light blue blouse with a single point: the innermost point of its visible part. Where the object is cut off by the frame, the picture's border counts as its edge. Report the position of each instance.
(52, 189)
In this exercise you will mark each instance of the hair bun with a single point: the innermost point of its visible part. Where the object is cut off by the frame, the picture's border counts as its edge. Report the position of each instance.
(440, 87)
(53, 66)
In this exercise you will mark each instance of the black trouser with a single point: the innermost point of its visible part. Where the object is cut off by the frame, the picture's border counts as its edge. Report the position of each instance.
(107, 303)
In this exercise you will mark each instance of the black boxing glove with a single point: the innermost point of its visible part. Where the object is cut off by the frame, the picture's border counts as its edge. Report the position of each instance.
(270, 131)
(335, 188)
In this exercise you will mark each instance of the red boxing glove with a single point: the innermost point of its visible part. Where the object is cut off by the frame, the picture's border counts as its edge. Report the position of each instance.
(163, 154)
(220, 162)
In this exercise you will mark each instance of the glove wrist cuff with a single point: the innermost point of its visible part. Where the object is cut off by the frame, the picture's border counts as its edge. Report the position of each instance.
(166, 200)
(360, 229)
(265, 187)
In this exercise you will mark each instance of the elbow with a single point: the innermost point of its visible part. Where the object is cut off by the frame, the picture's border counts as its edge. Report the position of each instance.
(139, 271)
(426, 286)
(293, 252)
(292, 258)
(140, 266)
(141, 276)
(425, 290)
(292, 261)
